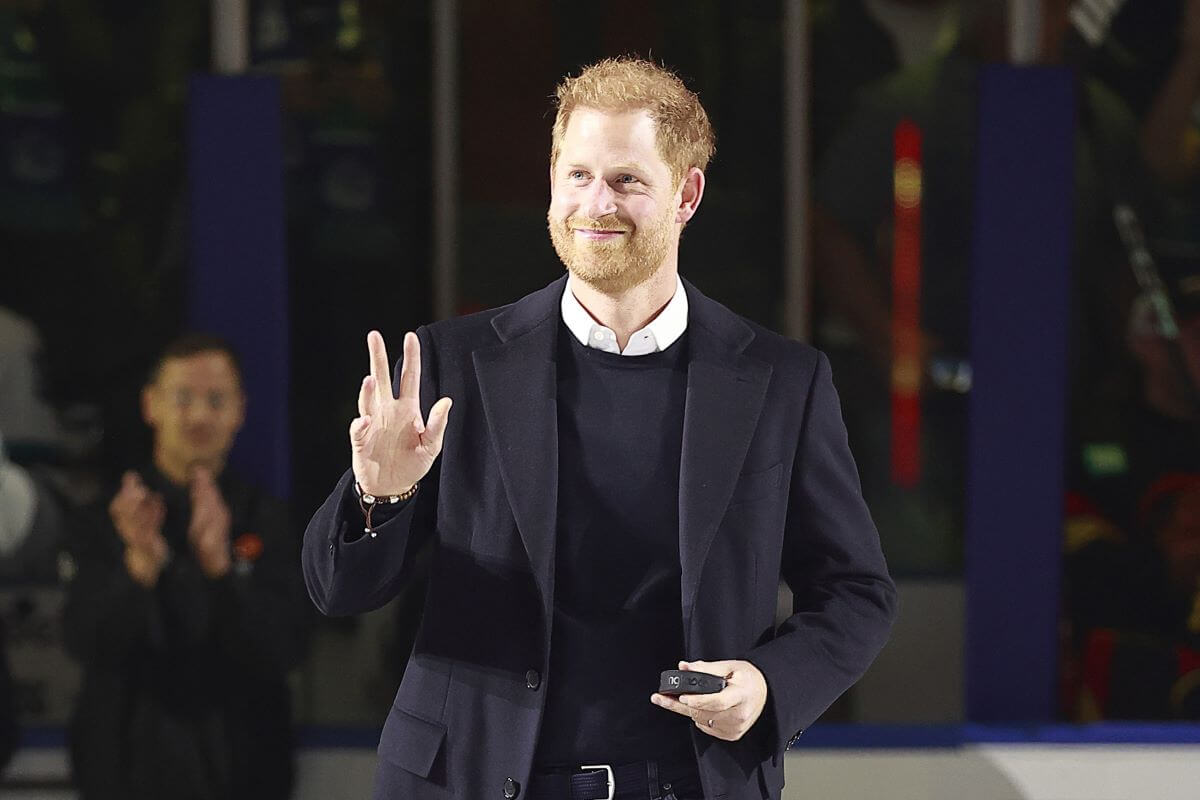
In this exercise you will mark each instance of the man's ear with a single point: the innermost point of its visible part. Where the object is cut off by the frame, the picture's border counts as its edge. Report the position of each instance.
(149, 403)
(691, 192)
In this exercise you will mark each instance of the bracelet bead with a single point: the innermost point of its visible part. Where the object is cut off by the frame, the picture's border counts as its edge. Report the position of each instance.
(368, 501)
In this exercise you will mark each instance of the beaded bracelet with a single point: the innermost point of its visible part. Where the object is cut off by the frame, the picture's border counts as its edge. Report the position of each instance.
(367, 502)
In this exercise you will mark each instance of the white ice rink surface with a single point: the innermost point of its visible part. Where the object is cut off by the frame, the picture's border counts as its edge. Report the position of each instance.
(974, 772)
(998, 772)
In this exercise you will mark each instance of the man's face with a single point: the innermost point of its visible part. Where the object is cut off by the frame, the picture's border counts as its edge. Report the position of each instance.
(613, 214)
(195, 408)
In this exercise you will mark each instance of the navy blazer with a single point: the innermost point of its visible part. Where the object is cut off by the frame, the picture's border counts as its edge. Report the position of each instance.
(767, 488)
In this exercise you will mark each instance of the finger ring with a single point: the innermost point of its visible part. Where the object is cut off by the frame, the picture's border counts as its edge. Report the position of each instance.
(710, 722)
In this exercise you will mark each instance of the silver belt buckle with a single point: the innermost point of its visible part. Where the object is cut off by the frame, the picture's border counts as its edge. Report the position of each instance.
(611, 782)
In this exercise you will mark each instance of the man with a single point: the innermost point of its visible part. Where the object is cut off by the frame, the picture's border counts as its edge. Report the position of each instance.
(628, 470)
(186, 608)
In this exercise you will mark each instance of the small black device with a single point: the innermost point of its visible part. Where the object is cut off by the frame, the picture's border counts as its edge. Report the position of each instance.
(680, 681)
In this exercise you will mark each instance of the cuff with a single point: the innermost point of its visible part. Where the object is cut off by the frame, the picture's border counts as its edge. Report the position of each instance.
(381, 515)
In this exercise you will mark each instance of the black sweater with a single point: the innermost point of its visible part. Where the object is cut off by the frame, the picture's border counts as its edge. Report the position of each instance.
(617, 617)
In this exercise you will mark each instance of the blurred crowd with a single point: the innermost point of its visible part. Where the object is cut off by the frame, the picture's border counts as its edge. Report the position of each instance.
(1131, 580)
(126, 543)
(1132, 570)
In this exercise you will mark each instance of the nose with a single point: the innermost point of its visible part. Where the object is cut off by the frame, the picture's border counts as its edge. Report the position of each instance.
(600, 200)
(197, 413)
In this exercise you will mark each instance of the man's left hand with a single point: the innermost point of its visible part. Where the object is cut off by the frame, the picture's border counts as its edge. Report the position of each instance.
(208, 532)
(726, 714)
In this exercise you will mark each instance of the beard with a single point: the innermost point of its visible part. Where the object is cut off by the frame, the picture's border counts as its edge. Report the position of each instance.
(617, 265)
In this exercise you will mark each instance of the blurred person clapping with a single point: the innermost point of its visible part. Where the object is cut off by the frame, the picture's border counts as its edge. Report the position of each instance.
(186, 609)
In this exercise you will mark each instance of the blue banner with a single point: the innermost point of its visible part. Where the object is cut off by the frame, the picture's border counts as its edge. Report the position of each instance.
(238, 273)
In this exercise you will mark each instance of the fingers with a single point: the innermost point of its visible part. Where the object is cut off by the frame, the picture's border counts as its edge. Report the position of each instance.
(119, 505)
(435, 431)
(379, 362)
(149, 542)
(201, 513)
(715, 719)
(712, 703)
(410, 372)
(202, 482)
(358, 430)
(136, 512)
(724, 669)
(723, 700)
(366, 396)
(671, 704)
(157, 513)
(131, 492)
(381, 376)
(141, 527)
(202, 491)
(705, 705)
(699, 716)
(209, 512)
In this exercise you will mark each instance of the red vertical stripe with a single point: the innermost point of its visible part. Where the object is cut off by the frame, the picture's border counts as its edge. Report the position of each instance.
(907, 362)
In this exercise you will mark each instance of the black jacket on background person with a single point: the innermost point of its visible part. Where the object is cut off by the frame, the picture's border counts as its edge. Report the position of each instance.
(184, 693)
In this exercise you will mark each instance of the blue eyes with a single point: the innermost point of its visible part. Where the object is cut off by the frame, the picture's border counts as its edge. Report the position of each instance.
(625, 178)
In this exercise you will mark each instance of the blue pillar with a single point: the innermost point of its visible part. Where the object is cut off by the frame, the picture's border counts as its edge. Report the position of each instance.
(238, 272)
(1020, 305)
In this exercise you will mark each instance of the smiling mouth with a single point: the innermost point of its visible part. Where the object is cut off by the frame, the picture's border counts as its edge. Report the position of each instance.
(592, 233)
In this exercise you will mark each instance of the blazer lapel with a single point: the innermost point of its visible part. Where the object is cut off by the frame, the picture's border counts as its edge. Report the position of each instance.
(725, 394)
(518, 385)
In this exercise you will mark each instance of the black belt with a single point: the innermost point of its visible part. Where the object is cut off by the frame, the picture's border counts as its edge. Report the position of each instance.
(643, 780)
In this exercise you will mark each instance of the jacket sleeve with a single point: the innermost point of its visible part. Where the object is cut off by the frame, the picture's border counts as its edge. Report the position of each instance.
(349, 573)
(844, 600)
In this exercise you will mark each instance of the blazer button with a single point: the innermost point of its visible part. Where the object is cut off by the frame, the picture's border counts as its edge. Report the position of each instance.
(511, 788)
(532, 679)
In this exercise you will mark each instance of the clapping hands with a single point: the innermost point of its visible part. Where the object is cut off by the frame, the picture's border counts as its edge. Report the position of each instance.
(138, 514)
(208, 531)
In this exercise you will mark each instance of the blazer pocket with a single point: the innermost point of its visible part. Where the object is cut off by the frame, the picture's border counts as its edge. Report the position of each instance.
(411, 742)
(756, 485)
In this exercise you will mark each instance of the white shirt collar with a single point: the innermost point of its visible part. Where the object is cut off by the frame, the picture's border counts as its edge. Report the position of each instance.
(659, 334)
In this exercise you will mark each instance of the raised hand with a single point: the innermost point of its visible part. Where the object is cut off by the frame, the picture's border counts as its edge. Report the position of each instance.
(208, 531)
(137, 514)
(391, 444)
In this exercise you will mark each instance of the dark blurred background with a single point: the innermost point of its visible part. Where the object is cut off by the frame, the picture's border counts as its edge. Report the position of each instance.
(413, 189)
